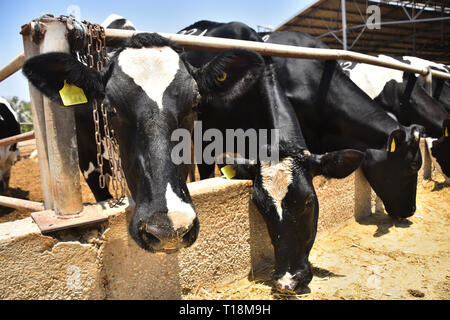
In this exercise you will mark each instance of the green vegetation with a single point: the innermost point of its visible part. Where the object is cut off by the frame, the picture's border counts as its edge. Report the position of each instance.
(23, 110)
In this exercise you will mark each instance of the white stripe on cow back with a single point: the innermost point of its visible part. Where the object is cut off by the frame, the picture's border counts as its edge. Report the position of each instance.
(153, 69)
(421, 63)
(276, 178)
(372, 79)
(180, 213)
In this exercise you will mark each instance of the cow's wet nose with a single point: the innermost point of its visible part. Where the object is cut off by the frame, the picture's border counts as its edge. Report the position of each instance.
(168, 238)
(287, 284)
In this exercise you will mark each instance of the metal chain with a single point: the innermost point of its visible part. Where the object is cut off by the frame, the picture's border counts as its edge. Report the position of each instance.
(96, 56)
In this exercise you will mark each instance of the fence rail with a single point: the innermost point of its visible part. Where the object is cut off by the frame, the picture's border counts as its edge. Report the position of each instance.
(219, 44)
(115, 36)
(17, 138)
(12, 67)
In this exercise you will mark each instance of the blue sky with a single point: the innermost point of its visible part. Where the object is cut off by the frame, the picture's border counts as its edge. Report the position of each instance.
(151, 15)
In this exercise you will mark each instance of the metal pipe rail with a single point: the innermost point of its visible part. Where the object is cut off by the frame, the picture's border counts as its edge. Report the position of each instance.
(17, 138)
(12, 67)
(270, 49)
(21, 204)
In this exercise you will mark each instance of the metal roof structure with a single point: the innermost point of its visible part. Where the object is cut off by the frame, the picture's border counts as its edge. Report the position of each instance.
(418, 28)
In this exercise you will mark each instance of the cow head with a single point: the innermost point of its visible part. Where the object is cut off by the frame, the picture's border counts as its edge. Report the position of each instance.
(149, 92)
(441, 148)
(8, 154)
(284, 194)
(392, 172)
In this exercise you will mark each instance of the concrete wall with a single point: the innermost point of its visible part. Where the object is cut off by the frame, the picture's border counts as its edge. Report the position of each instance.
(103, 262)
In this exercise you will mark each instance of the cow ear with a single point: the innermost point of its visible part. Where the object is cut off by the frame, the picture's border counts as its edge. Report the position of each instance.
(395, 141)
(336, 164)
(49, 72)
(236, 167)
(230, 74)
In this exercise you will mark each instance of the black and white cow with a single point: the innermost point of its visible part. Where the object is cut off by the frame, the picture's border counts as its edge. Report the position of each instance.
(149, 91)
(334, 114)
(282, 191)
(398, 93)
(441, 87)
(9, 126)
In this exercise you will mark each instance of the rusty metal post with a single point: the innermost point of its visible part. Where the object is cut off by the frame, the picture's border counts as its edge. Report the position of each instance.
(61, 133)
(31, 49)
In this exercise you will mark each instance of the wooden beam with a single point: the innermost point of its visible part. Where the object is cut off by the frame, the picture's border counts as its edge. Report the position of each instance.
(17, 138)
(12, 67)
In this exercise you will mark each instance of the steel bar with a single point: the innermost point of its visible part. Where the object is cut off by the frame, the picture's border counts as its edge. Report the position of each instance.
(344, 25)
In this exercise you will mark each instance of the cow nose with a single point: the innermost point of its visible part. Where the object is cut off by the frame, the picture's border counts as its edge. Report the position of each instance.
(166, 238)
(286, 284)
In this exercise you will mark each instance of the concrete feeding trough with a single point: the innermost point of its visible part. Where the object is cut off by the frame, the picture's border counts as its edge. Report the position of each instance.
(103, 262)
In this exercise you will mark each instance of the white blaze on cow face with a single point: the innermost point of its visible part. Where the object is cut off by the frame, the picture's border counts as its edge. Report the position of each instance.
(276, 178)
(153, 69)
(179, 212)
(286, 283)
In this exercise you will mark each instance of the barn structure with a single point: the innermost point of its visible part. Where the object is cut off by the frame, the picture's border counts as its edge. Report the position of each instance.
(418, 28)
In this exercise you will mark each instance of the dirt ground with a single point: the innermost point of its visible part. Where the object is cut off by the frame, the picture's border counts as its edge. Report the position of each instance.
(373, 259)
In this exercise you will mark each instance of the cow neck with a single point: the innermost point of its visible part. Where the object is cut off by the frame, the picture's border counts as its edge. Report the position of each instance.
(357, 114)
(279, 109)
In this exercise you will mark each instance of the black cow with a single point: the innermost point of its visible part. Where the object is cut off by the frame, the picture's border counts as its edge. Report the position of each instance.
(282, 191)
(398, 93)
(149, 91)
(334, 114)
(9, 126)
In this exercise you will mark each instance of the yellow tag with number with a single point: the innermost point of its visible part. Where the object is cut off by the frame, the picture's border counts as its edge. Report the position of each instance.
(392, 147)
(228, 171)
(446, 132)
(72, 95)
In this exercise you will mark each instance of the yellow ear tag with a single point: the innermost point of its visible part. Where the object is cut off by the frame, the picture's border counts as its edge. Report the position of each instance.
(446, 132)
(223, 77)
(228, 171)
(72, 95)
(392, 148)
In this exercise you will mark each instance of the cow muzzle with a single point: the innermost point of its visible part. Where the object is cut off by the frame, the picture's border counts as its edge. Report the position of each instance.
(168, 237)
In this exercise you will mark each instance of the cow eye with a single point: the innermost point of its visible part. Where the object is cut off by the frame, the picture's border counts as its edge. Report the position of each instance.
(309, 201)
